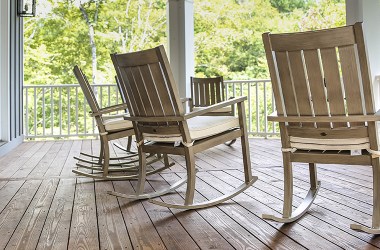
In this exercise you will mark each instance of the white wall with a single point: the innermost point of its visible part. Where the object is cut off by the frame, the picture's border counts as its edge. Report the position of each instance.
(4, 70)
(368, 12)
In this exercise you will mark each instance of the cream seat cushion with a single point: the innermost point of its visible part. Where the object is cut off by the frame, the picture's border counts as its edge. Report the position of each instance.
(226, 109)
(200, 127)
(116, 124)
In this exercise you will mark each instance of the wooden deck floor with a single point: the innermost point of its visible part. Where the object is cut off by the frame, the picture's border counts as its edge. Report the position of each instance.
(44, 205)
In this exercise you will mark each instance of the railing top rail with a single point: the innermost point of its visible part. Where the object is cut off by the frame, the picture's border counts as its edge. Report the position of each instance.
(246, 81)
(113, 84)
(67, 85)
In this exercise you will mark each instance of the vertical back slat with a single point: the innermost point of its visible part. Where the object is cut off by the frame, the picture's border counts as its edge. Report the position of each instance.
(138, 77)
(212, 88)
(316, 83)
(202, 95)
(152, 91)
(196, 94)
(162, 88)
(300, 85)
(351, 81)
(219, 92)
(207, 92)
(286, 85)
(333, 84)
(128, 74)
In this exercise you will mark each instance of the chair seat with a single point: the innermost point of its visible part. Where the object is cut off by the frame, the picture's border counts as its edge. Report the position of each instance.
(199, 127)
(116, 124)
(221, 110)
(329, 144)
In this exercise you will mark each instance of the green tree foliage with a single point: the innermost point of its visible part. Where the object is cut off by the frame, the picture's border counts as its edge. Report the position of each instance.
(289, 5)
(227, 40)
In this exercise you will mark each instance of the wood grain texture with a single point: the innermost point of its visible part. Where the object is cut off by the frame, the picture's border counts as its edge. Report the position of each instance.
(112, 231)
(13, 212)
(28, 231)
(84, 227)
(55, 233)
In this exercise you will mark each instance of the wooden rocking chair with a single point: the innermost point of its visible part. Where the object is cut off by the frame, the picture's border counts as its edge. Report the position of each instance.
(325, 108)
(209, 91)
(110, 128)
(162, 126)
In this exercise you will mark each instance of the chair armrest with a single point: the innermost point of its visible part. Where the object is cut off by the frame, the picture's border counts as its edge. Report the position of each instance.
(110, 109)
(121, 115)
(336, 118)
(154, 118)
(215, 107)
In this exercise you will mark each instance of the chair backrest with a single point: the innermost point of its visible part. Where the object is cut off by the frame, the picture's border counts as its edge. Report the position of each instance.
(89, 95)
(207, 91)
(148, 83)
(87, 89)
(321, 73)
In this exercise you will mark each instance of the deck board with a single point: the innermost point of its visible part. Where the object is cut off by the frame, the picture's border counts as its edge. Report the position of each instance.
(44, 205)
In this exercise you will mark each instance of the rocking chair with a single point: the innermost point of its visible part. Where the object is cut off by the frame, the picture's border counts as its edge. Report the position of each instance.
(209, 91)
(110, 128)
(162, 126)
(325, 108)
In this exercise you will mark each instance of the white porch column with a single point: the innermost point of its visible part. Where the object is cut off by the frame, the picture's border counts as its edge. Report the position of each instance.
(180, 15)
(367, 11)
(4, 70)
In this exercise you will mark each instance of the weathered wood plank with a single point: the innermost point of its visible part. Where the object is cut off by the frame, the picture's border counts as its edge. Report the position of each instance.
(141, 229)
(15, 209)
(59, 161)
(55, 233)
(113, 233)
(84, 227)
(29, 229)
(33, 161)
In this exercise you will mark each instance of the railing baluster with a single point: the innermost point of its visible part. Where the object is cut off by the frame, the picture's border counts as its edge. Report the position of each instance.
(35, 112)
(249, 109)
(68, 111)
(60, 111)
(43, 112)
(51, 110)
(257, 109)
(265, 111)
(76, 111)
(26, 125)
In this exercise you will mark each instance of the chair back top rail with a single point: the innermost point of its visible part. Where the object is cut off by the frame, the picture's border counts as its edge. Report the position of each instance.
(320, 73)
(207, 91)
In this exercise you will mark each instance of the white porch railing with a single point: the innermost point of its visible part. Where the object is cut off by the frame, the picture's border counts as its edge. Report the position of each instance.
(61, 111)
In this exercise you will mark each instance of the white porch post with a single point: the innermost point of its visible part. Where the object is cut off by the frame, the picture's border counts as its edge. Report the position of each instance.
(367, 11)
(180, 15)
(4, 70)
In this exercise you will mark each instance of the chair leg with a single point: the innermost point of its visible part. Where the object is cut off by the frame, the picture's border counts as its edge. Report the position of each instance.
(101, 153)
(375, 229)
(129, 145)
(191, 175)
(288, 187)
(142, 172)
(288, 215)
(106, 160)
